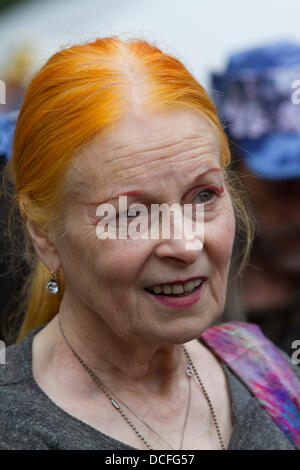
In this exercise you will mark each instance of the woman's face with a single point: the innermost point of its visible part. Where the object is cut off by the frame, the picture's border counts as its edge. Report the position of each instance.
(171, 158)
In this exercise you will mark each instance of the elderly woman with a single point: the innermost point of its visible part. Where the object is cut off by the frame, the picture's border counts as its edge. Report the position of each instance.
(108, 355)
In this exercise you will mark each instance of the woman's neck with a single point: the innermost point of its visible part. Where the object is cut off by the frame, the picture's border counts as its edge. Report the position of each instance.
(134, 366)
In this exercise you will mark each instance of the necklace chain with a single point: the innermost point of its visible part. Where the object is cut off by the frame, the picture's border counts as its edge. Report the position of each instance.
(191, 370)
(211, 408)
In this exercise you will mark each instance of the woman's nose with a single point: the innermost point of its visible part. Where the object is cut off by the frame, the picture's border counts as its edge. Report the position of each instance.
(185, 241)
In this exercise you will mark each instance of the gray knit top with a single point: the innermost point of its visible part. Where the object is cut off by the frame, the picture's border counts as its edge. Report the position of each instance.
(30, 420)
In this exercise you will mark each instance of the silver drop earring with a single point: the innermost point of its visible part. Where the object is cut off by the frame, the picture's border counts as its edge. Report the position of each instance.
(52, 285)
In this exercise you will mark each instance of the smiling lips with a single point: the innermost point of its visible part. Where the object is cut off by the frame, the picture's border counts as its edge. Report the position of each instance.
(182, 299)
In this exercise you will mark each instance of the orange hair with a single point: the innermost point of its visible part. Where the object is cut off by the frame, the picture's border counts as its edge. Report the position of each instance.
(80, 91)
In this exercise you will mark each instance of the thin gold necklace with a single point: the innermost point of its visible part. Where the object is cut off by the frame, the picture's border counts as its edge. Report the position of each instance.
(190, 371)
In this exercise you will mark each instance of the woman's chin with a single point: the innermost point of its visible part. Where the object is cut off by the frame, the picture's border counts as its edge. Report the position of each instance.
(182, 330)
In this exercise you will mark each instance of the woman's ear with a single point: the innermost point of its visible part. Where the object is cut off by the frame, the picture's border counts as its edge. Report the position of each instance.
(44, 247)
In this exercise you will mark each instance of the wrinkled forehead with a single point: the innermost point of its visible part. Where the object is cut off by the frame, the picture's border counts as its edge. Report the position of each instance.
(145, 145)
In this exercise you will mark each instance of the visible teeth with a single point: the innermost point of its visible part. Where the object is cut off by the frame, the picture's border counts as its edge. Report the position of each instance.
(166, 288)
(157, 289)
(189, 286)
(176, 288)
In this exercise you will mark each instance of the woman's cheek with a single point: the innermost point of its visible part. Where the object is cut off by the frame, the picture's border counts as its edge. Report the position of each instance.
(219, 237)
(123, 258)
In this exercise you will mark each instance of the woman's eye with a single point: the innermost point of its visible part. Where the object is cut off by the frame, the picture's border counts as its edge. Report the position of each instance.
(131, 213)
(206, 195)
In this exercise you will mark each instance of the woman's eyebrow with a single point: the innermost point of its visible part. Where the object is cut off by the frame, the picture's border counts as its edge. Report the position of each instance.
(147, 193)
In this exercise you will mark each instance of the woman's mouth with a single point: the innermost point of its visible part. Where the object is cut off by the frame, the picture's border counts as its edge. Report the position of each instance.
(179, 300)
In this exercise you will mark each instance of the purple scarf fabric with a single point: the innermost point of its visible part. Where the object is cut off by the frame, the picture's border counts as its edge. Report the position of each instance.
(256, 361)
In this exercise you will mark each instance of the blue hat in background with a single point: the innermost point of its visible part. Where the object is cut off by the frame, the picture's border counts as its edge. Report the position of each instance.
(7, 128)
(258, 100)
